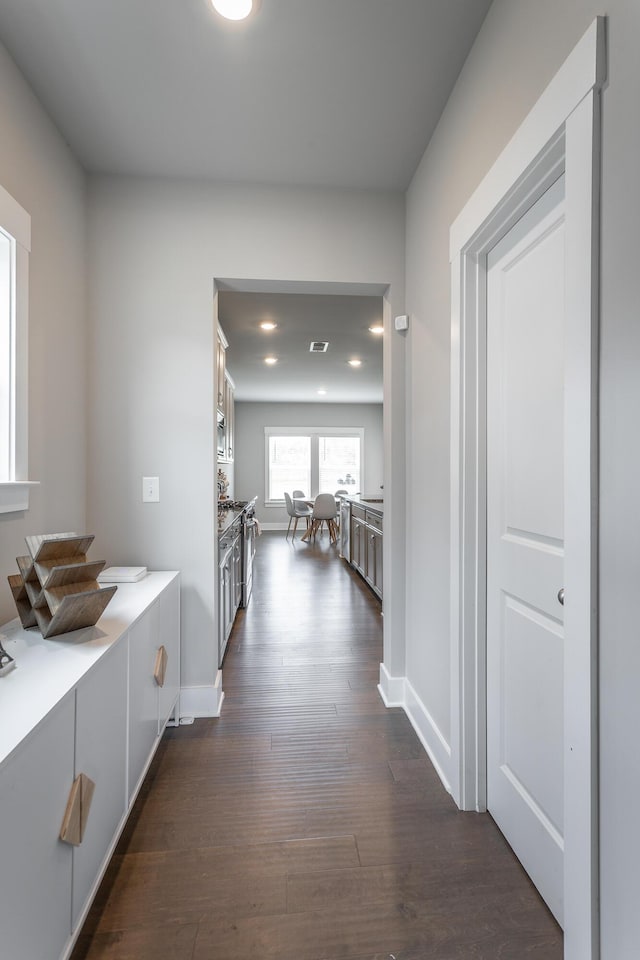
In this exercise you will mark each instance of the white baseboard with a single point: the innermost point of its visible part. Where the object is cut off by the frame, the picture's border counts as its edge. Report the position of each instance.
(273, 526)
(398, 692)
(202, 701)
(429, 734)
(391, 689)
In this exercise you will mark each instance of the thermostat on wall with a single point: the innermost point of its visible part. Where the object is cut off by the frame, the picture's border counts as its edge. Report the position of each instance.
(402, 323)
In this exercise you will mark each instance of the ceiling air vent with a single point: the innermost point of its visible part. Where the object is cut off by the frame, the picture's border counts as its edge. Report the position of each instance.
(318, 346)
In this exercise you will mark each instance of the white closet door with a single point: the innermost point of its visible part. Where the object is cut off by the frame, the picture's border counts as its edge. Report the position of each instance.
(525, 540)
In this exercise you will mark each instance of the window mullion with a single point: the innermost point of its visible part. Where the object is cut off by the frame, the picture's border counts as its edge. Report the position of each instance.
(315, 463)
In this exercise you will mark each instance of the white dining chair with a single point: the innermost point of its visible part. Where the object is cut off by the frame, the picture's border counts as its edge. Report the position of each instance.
(297, 511)
(325, 510)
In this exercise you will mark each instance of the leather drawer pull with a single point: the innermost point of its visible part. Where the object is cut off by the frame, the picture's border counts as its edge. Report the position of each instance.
(160, 669)
(76, 814)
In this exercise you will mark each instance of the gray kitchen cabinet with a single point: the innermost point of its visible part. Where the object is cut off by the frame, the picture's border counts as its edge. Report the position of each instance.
(358, 540)
(229, 583)
(365, 544)
(373, 566)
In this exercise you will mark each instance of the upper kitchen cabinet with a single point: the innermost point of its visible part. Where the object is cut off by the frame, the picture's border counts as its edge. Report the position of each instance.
(221, 365)
(224, 400)
(229, 390)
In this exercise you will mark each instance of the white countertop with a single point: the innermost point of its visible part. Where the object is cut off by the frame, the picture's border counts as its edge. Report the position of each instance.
(46, 670)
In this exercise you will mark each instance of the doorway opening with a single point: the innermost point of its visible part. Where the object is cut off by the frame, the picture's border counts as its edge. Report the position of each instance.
(388, 462)
(305, 419)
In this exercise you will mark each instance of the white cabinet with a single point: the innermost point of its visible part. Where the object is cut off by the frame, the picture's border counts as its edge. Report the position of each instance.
(101, 730)
(169, 638)
(143, 695)
(229, 417)
(226, 613)
(221, 349)
(236, 560)
(35, 877)
(151, 702)
(225, 390)
(228, 409)
(84, 703)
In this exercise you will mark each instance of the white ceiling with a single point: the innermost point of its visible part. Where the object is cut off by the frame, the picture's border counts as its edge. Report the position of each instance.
(342, 93)
(300, 318)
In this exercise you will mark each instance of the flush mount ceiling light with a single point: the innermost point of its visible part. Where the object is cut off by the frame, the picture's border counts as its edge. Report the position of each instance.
(270, 360)
(322, 392)
(376, 328)
(235, 9)
(268, 325)
(354, 363)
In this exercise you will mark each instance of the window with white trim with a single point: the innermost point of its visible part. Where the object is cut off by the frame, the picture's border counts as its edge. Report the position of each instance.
(15, 241)
(312, 459)
(7, 365)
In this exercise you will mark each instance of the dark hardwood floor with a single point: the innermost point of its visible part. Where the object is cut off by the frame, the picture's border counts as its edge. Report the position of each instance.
(307, 822)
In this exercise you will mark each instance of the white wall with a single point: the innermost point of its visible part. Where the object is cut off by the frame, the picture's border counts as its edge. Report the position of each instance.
(155, 247)
(37, 169)
(519, 49)
(252, 418)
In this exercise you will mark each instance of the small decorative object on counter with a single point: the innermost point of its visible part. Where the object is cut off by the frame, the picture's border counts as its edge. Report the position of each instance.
(56, 589)
(223, 485)
(7, 663)
(122, 575)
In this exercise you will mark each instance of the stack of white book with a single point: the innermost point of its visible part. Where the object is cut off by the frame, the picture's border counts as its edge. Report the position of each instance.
(122, 574)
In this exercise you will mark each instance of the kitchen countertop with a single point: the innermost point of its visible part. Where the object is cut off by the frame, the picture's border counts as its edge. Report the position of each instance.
(226, 518)
(368, 502)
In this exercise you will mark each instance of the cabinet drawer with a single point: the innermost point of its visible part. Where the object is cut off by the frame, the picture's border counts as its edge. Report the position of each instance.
(374, 520)
(358, 512)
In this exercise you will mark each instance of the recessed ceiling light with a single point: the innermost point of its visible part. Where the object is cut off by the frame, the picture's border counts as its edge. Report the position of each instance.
(270, 360)
(376, 328)
(355, 363)
(235, 9)
(268, 325)
(322, 393)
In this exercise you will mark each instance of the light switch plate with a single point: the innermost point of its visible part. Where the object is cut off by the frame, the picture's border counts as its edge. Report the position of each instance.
(150, 489)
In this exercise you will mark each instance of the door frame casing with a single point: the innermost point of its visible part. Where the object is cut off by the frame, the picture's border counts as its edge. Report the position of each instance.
(560, 134)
